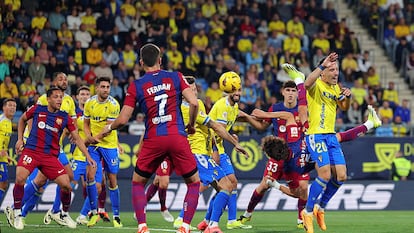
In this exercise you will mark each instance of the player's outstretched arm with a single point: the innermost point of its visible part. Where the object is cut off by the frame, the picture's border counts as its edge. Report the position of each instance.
(282, 188)
(329, 61)
(290, 119)
(258, 124)
(222, 132)
(345, 103)
(120, 121)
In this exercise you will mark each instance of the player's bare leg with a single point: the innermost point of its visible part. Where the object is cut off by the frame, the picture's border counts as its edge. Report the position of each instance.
(256, 197)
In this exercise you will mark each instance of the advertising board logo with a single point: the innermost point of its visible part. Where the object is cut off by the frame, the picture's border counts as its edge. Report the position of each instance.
(385, 153)
(247, 164)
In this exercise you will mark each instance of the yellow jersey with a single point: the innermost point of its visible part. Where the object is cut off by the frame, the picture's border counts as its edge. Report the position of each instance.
(77, 154)
(200, 141)
(222, 112)
(6, 131)
(99, 113)
(322, 106)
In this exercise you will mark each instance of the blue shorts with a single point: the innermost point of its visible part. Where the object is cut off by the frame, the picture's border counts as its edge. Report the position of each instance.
(79, 169)
(208, 170)
(225, 164)
(4, 172)
(325, 149)
(109, 156)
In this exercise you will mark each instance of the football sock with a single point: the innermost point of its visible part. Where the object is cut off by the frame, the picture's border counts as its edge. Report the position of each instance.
(191, 201)
(65, 196)
(92, 194)
(30, 203)
(331, 188)
(18, 192)
(56, 203)
(84, 192)
(301, 95)
(1, 194)
(151, 190)
(220, 203)
(232, 205)
(301, 206)
(315, 190)
(254, 200)
(86, 207)
(353, 133)
(102, 197)
(162, 194)
(139, 201)
(210, 208)
(115, 200)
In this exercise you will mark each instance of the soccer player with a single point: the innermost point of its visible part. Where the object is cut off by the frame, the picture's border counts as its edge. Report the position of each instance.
(37, 181)
(9, 109)
(101, 110)
(159, 94)
(201, 146)
(225, 112)
(324, 96)
(41, 151)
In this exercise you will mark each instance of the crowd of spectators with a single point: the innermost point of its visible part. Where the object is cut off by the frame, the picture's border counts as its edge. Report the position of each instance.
(92, 38)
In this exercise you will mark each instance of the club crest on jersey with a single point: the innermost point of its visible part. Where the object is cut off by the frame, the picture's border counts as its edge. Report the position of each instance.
(225, 115)
(59, 121)
(41, 125)
(282, 128)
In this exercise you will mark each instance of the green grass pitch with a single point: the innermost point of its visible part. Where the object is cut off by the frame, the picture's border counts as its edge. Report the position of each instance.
(263, 222)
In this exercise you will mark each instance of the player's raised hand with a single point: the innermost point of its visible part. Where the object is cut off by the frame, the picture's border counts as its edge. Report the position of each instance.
(241, 149)
(330, 60)
(190, 129)
(346, 92)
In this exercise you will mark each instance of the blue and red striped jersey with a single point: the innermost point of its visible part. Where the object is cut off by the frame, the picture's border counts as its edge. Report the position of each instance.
(159, 95)
(47, 128)
(279, 125)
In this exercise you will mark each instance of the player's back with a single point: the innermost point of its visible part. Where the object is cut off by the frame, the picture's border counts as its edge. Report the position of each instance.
(159, 95)
(200, 141)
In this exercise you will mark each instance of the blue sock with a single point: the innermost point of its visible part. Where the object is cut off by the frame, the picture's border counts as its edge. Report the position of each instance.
(86, 207)
(232, 204)
(331, 188)
(181, 213)
(92, 194)
(56, 203)
(115, 200)
(29, 190)
(30, 203)
(210, 208)
(316, 189)
(1, 194)
(222, 198)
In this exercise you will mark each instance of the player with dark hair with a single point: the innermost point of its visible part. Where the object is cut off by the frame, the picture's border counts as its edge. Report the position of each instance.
(41, 151)
(159, 94)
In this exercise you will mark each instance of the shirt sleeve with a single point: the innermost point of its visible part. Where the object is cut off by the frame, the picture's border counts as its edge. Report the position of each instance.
(71, 124)
(30, 112)
(183, 83)
(131, 95)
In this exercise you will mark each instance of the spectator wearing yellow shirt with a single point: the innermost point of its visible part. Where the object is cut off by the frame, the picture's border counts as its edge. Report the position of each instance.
(130, 9)
(175, 56)
(145, 7)
(15, 3)
(213, 92)
(322, 43)
(208, 9)
(26, 53)
(401, 29)
(8, 89)
(373, 79)
(216, 25)
(200, 41)
(162, 8)
(93, 54)
(180, 12)
(27, 92)
(295, 26)
(65, 36)
(192, 62)
(391, 95)
(8, 49)
(222, 8)
(385, 111)
(276, 24)
(399, 128)
(292, 44)
(359, 93)
(244, 44)
(89, 21)
(129, 57)
(349, 64)
(39, 20)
